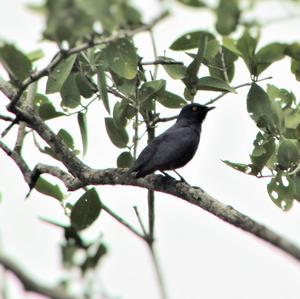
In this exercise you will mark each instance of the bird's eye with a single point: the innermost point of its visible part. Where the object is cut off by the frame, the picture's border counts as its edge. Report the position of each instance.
(194, 108)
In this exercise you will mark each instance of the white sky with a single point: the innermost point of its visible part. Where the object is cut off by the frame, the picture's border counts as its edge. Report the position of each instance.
(201, 256)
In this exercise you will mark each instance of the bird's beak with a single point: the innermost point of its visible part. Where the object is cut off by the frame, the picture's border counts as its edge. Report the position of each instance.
(210, 108)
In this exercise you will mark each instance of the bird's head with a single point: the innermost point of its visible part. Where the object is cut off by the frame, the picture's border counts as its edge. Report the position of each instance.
(193, 113)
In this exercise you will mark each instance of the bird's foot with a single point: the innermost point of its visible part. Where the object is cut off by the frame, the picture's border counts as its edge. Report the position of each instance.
(167, 175)
(182, 180)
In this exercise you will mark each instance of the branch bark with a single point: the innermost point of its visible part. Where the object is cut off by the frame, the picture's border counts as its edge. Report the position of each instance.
(32, 284)
(81, 175)
(192, 195)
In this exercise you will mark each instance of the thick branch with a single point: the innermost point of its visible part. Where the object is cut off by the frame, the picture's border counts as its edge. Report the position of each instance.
(195, 196)
(87, 176)
(80, 175)
(30, 284)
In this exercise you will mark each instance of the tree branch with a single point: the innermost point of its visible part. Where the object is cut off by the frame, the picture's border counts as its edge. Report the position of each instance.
(195, 196)
(162, 62)
(30, 284)
(83, 176)
(6, 117)
(192, 195)
(166, 119)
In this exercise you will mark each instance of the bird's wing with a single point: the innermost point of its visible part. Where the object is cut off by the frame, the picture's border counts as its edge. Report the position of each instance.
(170, 150)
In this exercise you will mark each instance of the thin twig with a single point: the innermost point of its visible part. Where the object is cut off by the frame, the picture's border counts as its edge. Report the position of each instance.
(162, 62)
(121, 220)
(235, 87)
(140, 220)
(6, 118)
(155, 53)
(224, 65)
(151, 193)
(159, 276)
(6, 130)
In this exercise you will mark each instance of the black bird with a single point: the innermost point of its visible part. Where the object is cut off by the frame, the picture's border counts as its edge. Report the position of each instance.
(175, 147)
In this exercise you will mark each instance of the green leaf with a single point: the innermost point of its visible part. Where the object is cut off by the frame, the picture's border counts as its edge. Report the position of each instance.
(293, 51)
(264, 147)
(82, 122)
(102, 87)
(122, 58)
(49, 189)
(69, 93)
(35, 55)
(149, 90)
(281, 195)
(228, 14)
(245, 168)
(295, 68)
(84, 86)
(267, 55)
(130, 112)
(187, 94)
(112, 14)
(45, 108)
(296, 182)
(125, 86)
(193, 3)
(175, 71)
(15, 62)
(59, 74)
(118, 136)
(92, 260)
(72, 236)
(47, 111)
(125, 160)
(288, 154)
(267, 115)
(68, 251)
(292, 123)
(217, 64)
(119, 113)
(171, 100)
(66, 138)
(190, 40)
(214, 84)
(66, 21)
(231, 45)
(192, 70)
(247, 46)
(281, 95)
(212, 49)
(86, 210)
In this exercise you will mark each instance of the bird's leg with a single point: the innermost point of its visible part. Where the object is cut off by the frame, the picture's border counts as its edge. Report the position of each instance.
(181, 178)
(166, 175)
